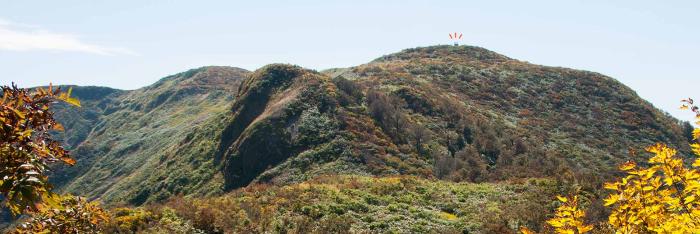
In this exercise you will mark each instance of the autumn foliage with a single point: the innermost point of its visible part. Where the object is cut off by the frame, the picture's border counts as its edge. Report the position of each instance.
(70, 215)
(26, 146)
(569, 217)
(26, 150)
(662, 197)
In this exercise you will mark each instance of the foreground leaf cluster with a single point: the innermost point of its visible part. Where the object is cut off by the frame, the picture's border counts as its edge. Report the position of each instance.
(660, 197)
(70, 215)
(569, 217)
(26, 148)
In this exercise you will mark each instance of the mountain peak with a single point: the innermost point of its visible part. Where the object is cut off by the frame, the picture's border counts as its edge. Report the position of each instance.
(460, 53)
(275, 76)
(278, 72)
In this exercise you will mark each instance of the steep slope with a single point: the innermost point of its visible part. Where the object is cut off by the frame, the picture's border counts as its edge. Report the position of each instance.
(457, 113)
(281, 111)
(288, 126)
(147, 144)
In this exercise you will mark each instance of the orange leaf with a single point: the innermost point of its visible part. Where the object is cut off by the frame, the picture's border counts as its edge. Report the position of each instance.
(628, 166)
(68, 160)
(525, 230)
(58, 127)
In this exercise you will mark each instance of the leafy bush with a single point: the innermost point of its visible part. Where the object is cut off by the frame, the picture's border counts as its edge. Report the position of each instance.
(314, 128)
(27, 147)
(69, 215)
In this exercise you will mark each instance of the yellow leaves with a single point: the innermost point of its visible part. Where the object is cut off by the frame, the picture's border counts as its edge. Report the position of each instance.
(448, 216)
(51, 200)
(562, 199)
(629, 165)
(66, 98)
(71, 101)
(25, 134)
(611, 186)
(15, 208)
(643, 173)
(695, 147)
(656, 182)
(4, 98)
(557, 223)
(691, 175)
(689, 199)
(65, 214)
(19, 114)
(611, 199)
(661, 198)
(668, 181)
(696, 133)
(568, 217)
(661, 153)
(649, 173)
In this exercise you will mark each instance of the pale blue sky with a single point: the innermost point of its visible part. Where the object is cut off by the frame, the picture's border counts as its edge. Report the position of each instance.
(651, 46)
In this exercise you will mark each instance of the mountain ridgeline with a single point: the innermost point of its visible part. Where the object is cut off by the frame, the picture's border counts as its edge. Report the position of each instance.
(456, 113)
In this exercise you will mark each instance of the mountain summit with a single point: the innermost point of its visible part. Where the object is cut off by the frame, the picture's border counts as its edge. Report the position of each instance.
(457, 113)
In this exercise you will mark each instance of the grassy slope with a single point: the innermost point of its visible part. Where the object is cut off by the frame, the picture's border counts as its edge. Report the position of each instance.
(151, 143)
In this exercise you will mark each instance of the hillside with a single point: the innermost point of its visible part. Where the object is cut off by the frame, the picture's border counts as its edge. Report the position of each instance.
(513, 116)
(456, 113)
(149, 138)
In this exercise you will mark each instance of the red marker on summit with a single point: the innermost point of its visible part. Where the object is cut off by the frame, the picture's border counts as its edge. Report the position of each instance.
(455, 38)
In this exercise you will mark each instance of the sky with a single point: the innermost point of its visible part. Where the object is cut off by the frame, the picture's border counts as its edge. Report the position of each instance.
(650, 46)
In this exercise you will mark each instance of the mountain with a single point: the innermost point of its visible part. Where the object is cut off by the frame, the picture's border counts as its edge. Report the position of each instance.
(520, 119)
(129, 142)
(456, 113)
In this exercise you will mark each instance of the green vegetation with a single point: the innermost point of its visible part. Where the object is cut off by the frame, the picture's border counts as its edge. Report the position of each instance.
(149, 144)
(439, 139)
(341, 204)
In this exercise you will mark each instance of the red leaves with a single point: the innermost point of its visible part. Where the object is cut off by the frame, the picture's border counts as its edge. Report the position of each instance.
(27, 146)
